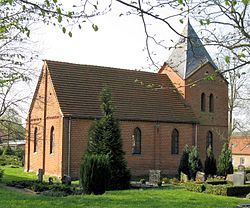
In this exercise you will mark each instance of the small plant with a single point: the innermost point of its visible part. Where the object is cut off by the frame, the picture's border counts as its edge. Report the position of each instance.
(143, 181)
(7, 150)
(166, 180)
(1, 174)
(175, 181)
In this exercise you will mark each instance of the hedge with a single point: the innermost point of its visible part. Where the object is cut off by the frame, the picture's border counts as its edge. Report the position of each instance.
(224, 190)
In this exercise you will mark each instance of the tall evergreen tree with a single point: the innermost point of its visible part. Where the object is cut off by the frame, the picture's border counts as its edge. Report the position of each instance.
(210, 163)
(225, 165)
(194, 162)
(105, 138)
(184, 164)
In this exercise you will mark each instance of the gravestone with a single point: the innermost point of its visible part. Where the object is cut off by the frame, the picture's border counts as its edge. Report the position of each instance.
(154, 176)
(229, 177)
(200, 176)
(238, 179)
(66, 180)
(40, 175)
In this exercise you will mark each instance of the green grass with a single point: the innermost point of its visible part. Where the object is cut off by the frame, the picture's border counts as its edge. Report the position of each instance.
(129, 198)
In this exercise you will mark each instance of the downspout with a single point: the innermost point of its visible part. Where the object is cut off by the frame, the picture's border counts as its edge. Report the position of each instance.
(28, 149)
(196, 135)
(44, 118)
(69, 145)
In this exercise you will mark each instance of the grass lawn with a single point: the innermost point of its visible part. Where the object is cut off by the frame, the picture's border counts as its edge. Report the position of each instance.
(129, 198)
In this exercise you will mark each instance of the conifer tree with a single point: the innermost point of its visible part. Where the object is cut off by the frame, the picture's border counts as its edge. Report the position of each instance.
(184, 164)
(105, 138)
(225, 165)
(210, 163)
(194, 162)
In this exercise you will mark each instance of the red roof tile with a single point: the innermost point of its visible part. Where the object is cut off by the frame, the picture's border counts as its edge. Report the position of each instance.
(240, 145)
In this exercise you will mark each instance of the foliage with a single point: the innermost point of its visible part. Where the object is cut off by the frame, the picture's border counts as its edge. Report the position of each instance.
(210, 163)
(95, 173)
(192, 186)
(216, 189)
(194, 162)
(184, 162)
(7, 150)
(1, 174)
(1, 151)
(225, 165)
(105, 138)
(166, 180)
(10, 160)
(143, 181)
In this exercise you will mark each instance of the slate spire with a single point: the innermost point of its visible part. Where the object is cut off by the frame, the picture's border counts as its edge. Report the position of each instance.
(189, 54)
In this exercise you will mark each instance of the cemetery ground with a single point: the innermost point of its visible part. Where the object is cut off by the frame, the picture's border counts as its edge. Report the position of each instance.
(158, 197)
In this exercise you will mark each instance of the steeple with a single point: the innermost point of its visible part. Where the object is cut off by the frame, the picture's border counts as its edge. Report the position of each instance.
(189, 54)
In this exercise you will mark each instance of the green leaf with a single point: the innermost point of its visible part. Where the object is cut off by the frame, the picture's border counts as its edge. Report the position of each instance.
(95, 6)
(227, 2)
(64, 30)
(58, 10)
(181, 21)
(180, 1)
(227, 59)
(95, 27)
(24, 7)
(70, 34)
(10, 2)
(55, 1)
(246, 2)
(59, 18)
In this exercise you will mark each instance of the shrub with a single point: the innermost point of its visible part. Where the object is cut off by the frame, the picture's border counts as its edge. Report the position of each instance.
(184, 163)
(105, 138)
(192, 186)
(7, 150)
(19, 152)
(174, 181)
(225, 165)
(95, 173)
(217, 190)
(159, 183)
(10, 160)
(166, 180)
(1, 151)
(194, 162)
(1, 174)
(143, 181)
(210, 163)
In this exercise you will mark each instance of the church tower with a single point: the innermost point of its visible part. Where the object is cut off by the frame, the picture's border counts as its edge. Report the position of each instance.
(190, 67)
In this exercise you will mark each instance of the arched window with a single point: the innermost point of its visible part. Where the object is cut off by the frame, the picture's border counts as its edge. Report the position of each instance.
(52, 140)
(211, 103)
(136, 146)
(209, 139)
(35, 140)
(203, 102)
(175, 142)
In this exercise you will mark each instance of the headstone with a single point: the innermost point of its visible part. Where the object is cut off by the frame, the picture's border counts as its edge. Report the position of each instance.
(40, 175)
(66, 180)
(184, 177)
(200, 176)
(154, 176)
(50, 181)
(238, 179)
(229, 177)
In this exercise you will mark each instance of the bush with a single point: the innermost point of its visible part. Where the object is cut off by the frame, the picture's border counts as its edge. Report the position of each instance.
(217, 190)
(143, 181)
(95, 173)
(19, 152)
(184, 163)
(194, 162)
(1, 174)
(10, 160)
(166, 180)
(1, 151)
(7, 150)
(210, 163)
(225, 165)
(192, 186)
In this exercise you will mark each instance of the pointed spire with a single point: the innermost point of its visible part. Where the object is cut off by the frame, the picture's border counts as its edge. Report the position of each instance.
(189, 54)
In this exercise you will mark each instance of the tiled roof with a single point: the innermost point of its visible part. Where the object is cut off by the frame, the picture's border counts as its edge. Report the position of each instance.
(240, 145)
(78, 87)
(189, 54)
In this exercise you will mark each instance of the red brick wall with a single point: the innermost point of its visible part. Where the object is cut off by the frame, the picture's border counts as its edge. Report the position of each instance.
(53, 162)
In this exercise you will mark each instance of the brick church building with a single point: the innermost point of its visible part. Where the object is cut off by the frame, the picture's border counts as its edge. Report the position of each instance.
(158, 112)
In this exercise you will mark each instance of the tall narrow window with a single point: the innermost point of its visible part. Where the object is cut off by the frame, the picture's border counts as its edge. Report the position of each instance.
(209, 139)
(136, 146)
(203, 102)
(211, 103)
(52, 140)
(175, 142)
(35, 139)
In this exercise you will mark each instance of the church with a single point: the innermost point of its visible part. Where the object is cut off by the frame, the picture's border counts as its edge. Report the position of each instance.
(159, 113)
